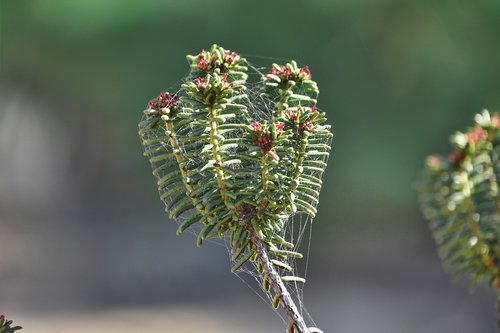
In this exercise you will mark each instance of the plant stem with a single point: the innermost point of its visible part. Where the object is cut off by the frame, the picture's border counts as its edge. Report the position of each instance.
(178, 157)
(293, 314)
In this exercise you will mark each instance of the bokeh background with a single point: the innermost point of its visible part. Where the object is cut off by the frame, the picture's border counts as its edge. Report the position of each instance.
(84, 242)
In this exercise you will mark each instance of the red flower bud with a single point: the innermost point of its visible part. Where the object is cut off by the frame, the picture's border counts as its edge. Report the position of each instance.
(291, 115)
(226, 85)
(307, 125)
(164, 101)
(495, 121)
(279, 128)
(256, 126)
(202, 61)
(305, 73)
(201, 84)
(230, 57)
(456, 157)
(476, 135)
(434, 162)
(264, 142)
(285, 74)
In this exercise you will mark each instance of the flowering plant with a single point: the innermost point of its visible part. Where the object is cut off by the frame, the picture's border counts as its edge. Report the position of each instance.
(460, 196)
(238, 170)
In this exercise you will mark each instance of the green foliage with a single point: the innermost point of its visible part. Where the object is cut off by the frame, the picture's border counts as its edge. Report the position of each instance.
(237, 159)
(5, 325)
(460, 196)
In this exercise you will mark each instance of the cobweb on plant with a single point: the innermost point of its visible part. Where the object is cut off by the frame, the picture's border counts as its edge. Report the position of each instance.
(298, 226)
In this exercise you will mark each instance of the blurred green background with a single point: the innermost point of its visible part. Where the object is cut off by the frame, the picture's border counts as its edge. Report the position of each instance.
(83, 234)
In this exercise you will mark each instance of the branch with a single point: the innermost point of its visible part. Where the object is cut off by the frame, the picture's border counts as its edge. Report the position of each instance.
(294, 317)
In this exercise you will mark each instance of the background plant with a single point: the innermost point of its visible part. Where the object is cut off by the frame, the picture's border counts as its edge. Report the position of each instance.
(239, 159)
(460, 196)
(6, 325)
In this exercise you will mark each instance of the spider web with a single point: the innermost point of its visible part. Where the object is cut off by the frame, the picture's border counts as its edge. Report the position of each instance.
(297, 229)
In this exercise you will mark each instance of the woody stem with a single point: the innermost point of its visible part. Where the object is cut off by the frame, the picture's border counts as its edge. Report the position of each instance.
(279, 288)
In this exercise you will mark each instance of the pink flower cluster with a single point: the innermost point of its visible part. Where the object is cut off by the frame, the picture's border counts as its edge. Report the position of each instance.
(231, 58)
(286, 74)
(205, 61)
(201, 83)
(256, 126)
(292, 115)
(476, 135)
(280, 127)
(264, 140)
(225, 84)
(305, 125)
(165, 100)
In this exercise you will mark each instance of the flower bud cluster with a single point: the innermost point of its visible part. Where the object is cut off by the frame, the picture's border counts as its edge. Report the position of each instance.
(267, 136)
(302, 119)
(288, 72)
(215, 75)
(165, 105)
(216, 58)
(474, 138)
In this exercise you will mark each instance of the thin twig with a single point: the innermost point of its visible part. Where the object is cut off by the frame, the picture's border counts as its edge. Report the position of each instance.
(279, 287)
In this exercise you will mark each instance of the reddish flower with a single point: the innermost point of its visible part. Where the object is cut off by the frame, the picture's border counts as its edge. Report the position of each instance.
(201, 84)
(456, 157)
(291, 115)
(256, 126)
(164, 101)
(264, 142)
(202, 61)
(307, 125)
(476, 135)
(280, 127)
(305, 73)
(434, 162)
(284, 74)
(495, 120)
(314, 109)
(274, 71)
(226, 85)
(230, 57)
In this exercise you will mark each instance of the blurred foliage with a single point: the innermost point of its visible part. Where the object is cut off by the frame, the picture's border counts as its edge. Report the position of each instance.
(394, 75)
(5, 325)
(460, 196)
